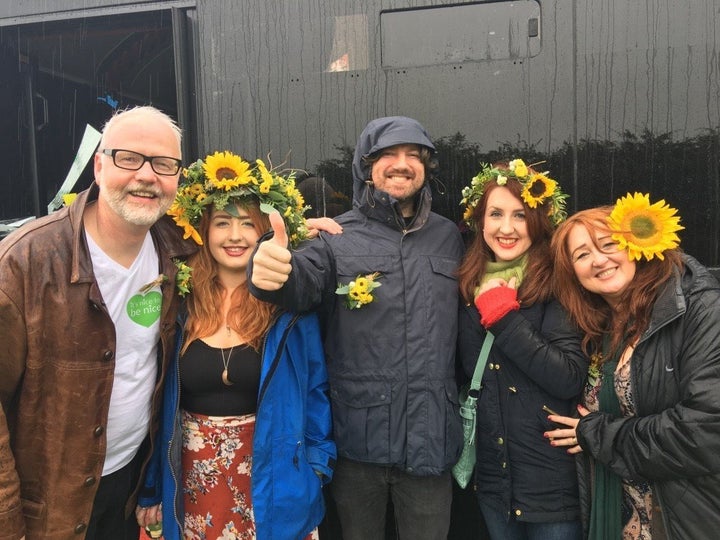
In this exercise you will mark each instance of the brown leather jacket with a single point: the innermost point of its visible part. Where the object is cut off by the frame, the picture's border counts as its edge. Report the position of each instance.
(57, 352)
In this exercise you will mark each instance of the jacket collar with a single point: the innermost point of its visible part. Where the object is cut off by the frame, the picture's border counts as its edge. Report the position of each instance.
(380, 206)
(81, 267)
(670, 305)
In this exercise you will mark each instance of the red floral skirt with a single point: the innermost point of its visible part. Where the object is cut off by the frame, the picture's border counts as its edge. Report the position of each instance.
(216, 464)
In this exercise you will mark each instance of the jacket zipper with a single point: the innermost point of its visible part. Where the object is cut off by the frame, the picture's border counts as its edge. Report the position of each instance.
(271, 371)
(276, 359)
(296, 459)
(633, 376)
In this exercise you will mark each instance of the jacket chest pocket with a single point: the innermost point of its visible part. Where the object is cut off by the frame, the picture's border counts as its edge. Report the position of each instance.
(348, 268)
(444, 269)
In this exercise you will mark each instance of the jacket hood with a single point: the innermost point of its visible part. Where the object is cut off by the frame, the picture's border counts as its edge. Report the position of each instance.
(379, 134)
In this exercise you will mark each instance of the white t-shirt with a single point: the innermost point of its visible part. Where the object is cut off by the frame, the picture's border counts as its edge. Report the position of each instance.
(137, 328)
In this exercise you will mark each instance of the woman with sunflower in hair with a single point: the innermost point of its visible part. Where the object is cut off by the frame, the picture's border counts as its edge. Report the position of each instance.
(525, 489)
(649, 434)
(245, 443)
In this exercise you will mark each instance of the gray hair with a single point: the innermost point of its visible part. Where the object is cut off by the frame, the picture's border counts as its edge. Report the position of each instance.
(147, 111)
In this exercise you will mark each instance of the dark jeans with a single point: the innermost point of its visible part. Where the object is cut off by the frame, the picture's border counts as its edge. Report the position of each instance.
(107, 521)
(502, 528)
(361, 491)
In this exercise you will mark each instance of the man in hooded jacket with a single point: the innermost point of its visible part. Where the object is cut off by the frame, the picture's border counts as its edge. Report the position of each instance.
(390, 360)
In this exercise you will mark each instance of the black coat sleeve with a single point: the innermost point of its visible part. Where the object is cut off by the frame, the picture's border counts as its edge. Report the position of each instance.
(550, 354)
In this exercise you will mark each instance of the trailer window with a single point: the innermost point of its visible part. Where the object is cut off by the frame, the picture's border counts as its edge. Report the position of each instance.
(460, 33)
(349, 43)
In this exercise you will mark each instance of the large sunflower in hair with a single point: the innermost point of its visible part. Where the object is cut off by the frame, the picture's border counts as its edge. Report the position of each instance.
(644, 229)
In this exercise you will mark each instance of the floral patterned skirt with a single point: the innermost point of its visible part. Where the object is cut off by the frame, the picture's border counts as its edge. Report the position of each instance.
(216, 464)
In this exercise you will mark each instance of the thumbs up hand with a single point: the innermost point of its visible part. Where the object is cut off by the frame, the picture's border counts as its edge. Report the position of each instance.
(271, 262)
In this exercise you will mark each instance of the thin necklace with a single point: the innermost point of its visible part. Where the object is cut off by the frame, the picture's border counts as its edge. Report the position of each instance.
(226, 381)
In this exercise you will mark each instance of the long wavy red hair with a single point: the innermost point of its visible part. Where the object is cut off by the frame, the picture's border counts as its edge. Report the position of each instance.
(630, 318)
(248, 316)
(536, 284)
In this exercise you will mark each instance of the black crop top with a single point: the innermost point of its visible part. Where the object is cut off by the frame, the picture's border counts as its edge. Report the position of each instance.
(202, 390)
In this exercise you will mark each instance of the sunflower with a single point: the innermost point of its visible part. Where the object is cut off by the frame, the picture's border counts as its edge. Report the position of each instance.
(359, 291)
(537, 189)
(181, 219)
(267, 178)
(643, 229)
(195, 190)
(227, 171)
(468, 213)
(183, 277)
(361, 284)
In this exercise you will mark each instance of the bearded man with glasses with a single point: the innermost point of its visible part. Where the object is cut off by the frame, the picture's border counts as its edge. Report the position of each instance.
(87, 311)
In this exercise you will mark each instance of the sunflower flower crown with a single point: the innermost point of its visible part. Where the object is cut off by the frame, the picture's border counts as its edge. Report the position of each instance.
(644, 229)
(538, 189)
(223, 177)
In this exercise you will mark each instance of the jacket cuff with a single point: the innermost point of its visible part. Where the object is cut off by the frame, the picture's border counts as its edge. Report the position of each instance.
(146, 502)
(321, 463)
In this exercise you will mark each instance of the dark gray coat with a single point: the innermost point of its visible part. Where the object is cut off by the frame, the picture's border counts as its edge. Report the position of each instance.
(674, 441)
(391, 362)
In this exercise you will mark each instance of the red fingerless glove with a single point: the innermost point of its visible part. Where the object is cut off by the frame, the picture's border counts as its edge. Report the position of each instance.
(495, 303)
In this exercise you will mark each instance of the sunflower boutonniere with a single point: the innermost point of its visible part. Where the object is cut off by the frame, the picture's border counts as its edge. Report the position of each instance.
(182, 278)
(359, 291)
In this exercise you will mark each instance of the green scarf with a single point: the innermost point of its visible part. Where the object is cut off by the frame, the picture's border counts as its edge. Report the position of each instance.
(605, 515)
(505, 270)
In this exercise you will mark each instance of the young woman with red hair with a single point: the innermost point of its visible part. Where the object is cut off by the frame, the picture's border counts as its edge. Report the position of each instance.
(245, 442)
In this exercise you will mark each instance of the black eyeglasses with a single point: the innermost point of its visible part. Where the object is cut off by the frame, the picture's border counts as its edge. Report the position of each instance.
(133, 161)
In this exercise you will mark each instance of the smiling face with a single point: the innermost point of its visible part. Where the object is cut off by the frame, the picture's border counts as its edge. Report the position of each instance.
(139, 197)
(599, 265)
(400, 172)
(504, 225)
(231, 241)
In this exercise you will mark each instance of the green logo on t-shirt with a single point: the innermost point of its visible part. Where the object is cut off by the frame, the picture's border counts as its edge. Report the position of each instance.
(145, 309)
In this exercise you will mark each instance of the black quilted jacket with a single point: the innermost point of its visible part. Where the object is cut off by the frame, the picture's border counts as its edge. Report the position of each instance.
(674, 441)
